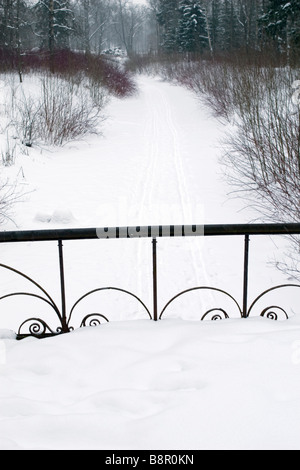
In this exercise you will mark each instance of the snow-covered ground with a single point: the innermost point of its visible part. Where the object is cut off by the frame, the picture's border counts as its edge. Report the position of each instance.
(133, 383)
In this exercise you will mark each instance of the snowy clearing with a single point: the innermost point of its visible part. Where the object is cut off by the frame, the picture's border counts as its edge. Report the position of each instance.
(137, 384)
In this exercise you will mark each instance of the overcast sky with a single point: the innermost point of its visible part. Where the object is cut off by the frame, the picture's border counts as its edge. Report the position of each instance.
(140, 2)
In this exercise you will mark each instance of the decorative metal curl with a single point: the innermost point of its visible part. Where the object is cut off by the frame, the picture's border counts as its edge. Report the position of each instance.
(216, 316)
(271, 314)
(37, 328)
(94, 320)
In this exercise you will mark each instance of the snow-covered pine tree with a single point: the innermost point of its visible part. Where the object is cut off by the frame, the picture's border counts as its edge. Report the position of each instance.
(281, 22)
(12, 20)
(13, 27)
(192, 33)
(53, 23)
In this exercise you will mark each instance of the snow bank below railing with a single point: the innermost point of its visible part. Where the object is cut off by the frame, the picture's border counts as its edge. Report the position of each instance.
(172, 384)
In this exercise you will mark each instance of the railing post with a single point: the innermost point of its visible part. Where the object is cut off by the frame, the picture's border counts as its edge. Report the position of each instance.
(65, 328)
(154, 265)
(246, 271)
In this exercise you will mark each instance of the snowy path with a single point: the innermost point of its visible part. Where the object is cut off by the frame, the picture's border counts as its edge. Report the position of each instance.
(157, 163)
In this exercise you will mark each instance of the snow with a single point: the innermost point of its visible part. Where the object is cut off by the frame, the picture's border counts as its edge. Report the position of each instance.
(145, 385)
(133, 383)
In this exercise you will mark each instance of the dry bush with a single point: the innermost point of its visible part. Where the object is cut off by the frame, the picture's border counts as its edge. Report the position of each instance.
(72, 66)
(9, 196)
(66, 111)
(62, 111)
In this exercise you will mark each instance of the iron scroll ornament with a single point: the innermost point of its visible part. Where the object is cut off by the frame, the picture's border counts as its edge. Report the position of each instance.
(39, 328)
(270, 312)
(95, 318)
(221, 312)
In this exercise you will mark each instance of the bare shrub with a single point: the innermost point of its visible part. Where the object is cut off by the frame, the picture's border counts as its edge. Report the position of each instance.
(8, 154)
(8, 198)
(263, 159)
(72, 66)
(26, 119)
(63, 111)
(66, 111)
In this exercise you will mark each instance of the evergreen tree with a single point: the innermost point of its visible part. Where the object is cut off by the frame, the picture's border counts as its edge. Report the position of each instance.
(192, 34)
(215, 24)
(229, 37)
(54, 23)
(167, 17)
(281, 21)
(13, 15)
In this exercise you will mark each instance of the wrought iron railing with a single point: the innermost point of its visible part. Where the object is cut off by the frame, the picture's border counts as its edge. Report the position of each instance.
(38, 327)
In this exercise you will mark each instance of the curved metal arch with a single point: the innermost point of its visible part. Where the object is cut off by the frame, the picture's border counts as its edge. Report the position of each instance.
(32, 295)
(201, 288)
(103, 289)
(51, 301)
(266, 292)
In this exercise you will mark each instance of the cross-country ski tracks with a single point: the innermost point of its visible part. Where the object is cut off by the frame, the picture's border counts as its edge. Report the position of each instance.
(163, 190)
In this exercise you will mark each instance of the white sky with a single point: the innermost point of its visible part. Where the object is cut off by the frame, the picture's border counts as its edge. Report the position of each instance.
(140, 2)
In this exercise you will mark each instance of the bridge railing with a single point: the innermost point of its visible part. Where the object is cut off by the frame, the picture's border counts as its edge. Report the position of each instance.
(38, 327)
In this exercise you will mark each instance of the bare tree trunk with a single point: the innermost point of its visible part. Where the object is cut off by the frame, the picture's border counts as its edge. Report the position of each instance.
(122, 4)
(18, 41)
(86, 13)
(208, 29)
(51, 40)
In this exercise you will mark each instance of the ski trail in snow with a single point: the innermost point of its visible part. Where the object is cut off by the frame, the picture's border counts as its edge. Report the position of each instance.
(147, 179)
(164, 173)
(182, 185)
(151, 136)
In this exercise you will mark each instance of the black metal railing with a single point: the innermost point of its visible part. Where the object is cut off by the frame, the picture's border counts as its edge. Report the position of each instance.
(39, 328)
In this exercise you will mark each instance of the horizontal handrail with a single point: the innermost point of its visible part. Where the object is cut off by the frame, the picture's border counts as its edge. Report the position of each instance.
(148, 231)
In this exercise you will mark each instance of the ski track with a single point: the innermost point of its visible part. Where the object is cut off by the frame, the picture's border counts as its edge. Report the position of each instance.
(184, 195)
(162, 156)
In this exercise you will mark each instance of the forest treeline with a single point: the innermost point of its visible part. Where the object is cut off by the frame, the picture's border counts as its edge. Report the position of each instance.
(205, 27)
(220, 26)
